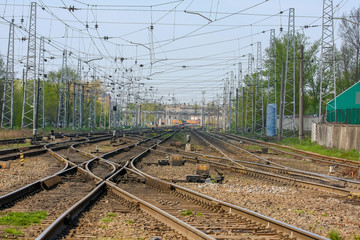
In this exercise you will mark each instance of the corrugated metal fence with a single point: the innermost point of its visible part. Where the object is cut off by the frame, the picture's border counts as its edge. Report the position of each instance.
(348, 116)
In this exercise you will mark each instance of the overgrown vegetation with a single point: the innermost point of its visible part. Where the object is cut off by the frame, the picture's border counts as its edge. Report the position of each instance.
(9, 146)
(22, 218)
(180, 136)
(334, 235)
(13, 231)
(307, 145)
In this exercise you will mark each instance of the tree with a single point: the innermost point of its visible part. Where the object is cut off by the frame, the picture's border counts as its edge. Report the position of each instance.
(350, 34)
(311, 81)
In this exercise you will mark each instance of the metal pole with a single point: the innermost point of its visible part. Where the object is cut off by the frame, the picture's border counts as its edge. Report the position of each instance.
(74, 104)
(237, 111)
(230, 111)
(243, 110)
(282, 96)
(301, 95)
(37, 92)
(82, 106)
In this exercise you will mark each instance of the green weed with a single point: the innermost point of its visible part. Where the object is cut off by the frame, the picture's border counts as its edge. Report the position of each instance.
(199, 214)
(334, 235)
(324, 215)
(312, 212)
(299, 211)
(356, 237)
(22, 218)
(13, 231)
(111, 214)
(186, 212)
(129, 221)
(106, 219)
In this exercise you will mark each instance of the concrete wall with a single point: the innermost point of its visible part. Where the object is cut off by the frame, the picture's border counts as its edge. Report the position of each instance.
(341, 136)
(308, 119)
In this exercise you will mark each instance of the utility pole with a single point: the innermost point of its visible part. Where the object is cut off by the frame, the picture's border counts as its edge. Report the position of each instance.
(301, 95)
(29, 93)
(77, 113)
(272, 89)
(282, 102)
(7, 116)
(224, 109)
(92, 108)
(237, 110)
(62, 110)
(289, 88)
(259, 106)
(41, 86)
(239, 88)
(243, 110)
(203, 109)
(327, 64)
(218, 111)
(250, 95)
(271, 93)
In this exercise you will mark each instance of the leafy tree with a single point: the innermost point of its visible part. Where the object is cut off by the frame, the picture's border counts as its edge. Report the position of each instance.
(311, 83)
(350, 49)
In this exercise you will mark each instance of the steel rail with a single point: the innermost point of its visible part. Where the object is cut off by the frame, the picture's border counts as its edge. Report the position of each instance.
(313, 156)
(291, 231)
(341, 181)
(302, 183)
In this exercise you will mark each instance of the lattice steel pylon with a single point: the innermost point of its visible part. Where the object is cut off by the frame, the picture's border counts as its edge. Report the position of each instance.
(77, 113)
(249, 113)
(225, 102)
(29, 93)
(327, 64)
(41, 89)
(62, 109)
(91, 122)
(240, 91)
(271, 77)
(203, 108)
(259, 98)
(271, 92)
(289, 88)
(8, 98)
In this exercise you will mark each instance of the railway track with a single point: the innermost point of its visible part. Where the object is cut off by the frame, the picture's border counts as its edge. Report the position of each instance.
(334, 161)
(51, 197)
(169, 204)
(347, 183)
(325, 183)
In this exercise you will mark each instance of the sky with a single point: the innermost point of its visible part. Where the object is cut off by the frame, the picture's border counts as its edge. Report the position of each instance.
(165, 50)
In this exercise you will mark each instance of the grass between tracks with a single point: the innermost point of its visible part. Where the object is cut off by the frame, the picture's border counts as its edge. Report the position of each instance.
(307, 145)
(22, 218)
(9, 146)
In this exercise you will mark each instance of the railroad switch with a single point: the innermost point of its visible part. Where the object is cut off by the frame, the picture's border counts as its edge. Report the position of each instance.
(203, 170)
(194, 178)
(163, 162)
(177, 160)
(4, 164)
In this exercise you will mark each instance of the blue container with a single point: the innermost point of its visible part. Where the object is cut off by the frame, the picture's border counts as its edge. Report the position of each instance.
(271, 117)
